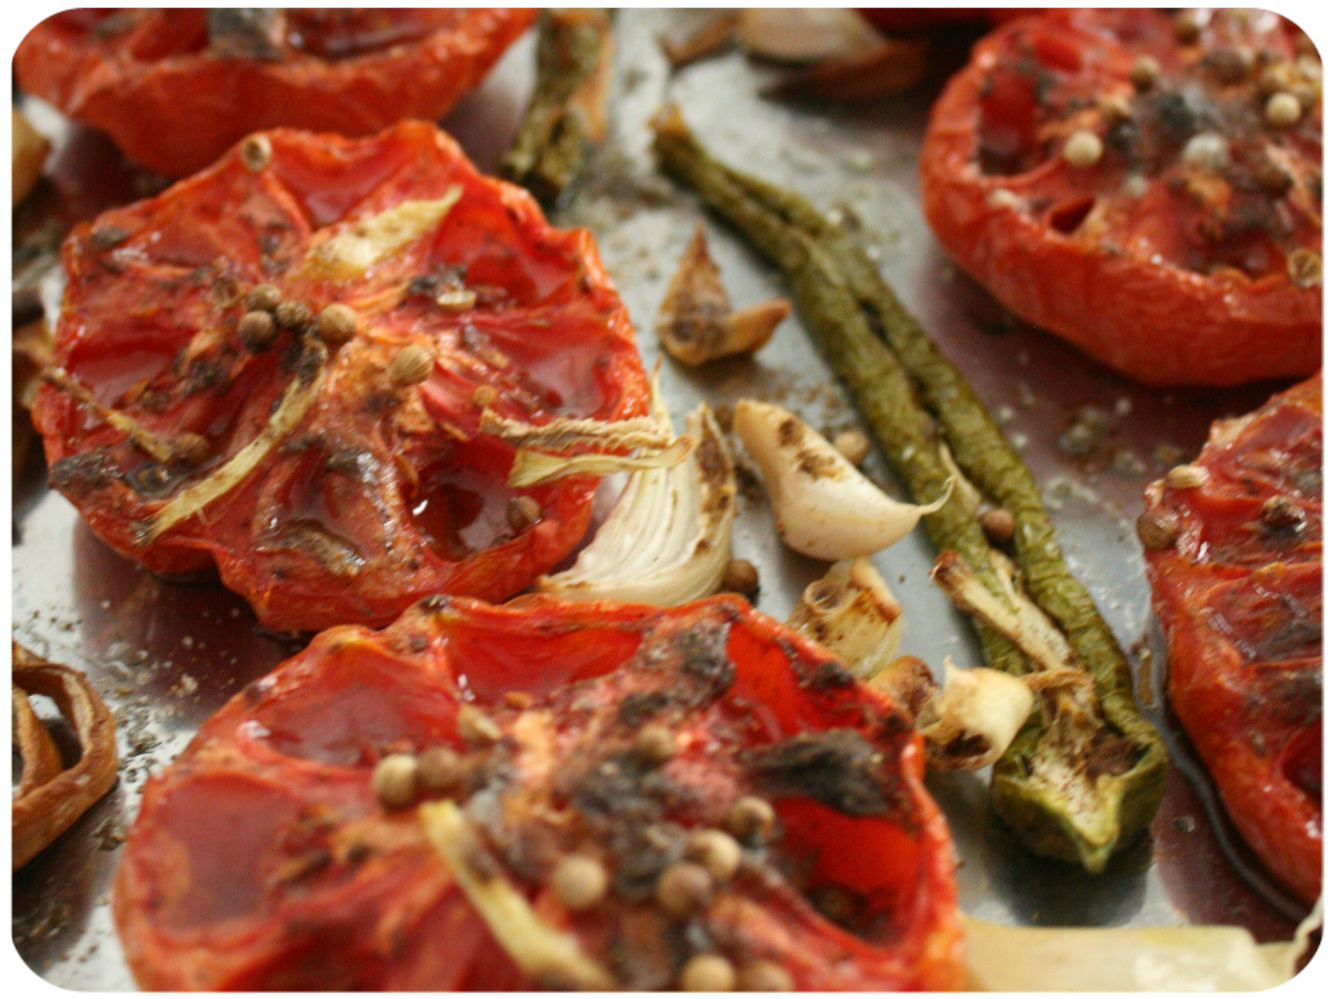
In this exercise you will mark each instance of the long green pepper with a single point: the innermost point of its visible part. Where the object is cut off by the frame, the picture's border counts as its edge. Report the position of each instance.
(1060, 798)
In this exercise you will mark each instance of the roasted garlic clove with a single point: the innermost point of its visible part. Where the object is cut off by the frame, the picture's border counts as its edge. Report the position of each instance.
(824, 506)
(696, 323)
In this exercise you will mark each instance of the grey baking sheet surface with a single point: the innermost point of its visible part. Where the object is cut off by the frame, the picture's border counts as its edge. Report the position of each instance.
(167, 655)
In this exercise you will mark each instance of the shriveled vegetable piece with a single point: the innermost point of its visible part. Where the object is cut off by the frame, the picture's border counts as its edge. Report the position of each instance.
(51, 800)
(1083, 809)
(567, 110)
(852, 612)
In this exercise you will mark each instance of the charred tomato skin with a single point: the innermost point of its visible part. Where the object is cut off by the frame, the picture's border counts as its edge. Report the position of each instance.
(174, 102)
(1236, 568)
(384, 492)
(308, 879)
(1166, 270)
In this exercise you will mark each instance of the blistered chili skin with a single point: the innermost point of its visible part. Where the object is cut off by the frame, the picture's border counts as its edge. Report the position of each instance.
(1236, 572)
(385, 490)
(1118, 178)
(175, 88)
(261, 858)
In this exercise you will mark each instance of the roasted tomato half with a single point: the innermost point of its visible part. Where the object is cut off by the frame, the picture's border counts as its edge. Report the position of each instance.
(1147, 187)
(176, 88)
(278, 366)
(546, 794)
(1234, 544)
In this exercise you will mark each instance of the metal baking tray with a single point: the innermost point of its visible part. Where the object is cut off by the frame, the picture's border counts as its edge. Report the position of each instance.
(166, 655)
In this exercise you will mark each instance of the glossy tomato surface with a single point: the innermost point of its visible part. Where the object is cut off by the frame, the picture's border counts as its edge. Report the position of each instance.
(189, 318)
(262, 858)
(175, 88)
(1124, 180)
(1236, 566)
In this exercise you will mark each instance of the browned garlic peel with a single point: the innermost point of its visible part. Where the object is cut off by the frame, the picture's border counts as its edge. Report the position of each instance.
(696, 322)
(824, 506)
(668, 538)
(852, 613)
(544, 953)
(806, 35)
(44, 808)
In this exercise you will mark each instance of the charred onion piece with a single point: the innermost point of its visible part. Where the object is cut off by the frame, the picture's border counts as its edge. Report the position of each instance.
(567, 109)
(696, 322)
(46, 808)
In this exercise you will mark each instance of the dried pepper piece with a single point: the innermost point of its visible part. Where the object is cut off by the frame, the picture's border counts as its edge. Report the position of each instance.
(567, 110)
(279, 367)
(546, 795)
(1085, 775)
(49, 799)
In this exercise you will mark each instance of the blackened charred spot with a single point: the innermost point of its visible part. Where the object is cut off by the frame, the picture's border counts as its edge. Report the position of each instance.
(839, 768)
(78, 474)
(1174, 120)
(151, 479)
(642, 851)
(355, 463)
(624, 787)
(108, 237)
(826, 675)
(640, 705)
(1110, 753)
(703, 656)
(205, 373)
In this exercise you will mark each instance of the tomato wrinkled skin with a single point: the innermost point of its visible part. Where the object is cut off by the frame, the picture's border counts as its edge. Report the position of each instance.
(384, 492)
(175, 94)
(1239, 594)
(261, 858)
(1167, 269)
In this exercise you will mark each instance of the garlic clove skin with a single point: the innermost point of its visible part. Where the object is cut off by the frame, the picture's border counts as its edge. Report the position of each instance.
(823, 505)
(852, 613)
(696, 323)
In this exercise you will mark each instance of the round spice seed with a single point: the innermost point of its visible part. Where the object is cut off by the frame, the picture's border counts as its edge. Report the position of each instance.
(740, 576)
(683, 889)
(440, 769)
(523, 512)
(263, 298)
(257, 330)
(751, 820)
(765, 976)
(654, 744)
(1082, 149)
(716, 852)
(579, 882)
(336, 323)
(394, 780)
(412, 365)
(708, 973)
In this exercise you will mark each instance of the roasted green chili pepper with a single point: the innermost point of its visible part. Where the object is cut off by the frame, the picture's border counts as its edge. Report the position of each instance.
(1086, 773)
(565, 112)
